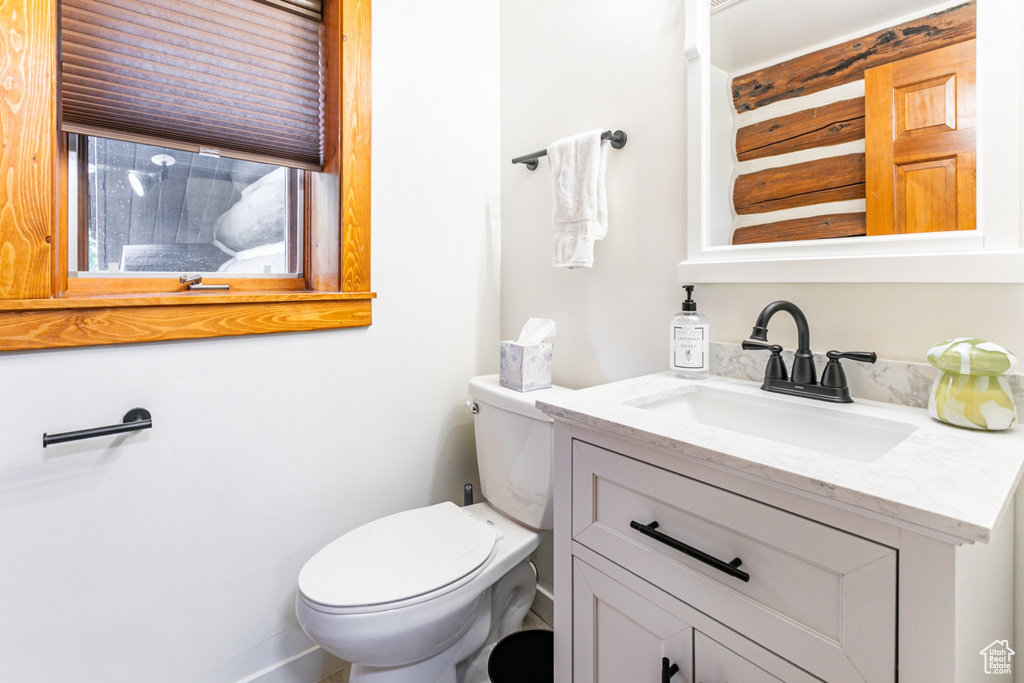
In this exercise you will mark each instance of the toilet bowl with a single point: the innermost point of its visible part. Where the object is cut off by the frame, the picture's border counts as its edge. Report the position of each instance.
(423, 595)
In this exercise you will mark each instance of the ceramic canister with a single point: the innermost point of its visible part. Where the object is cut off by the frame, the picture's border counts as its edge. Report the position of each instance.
(971, 389)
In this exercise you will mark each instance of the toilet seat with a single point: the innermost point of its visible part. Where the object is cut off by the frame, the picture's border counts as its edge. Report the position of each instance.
(396, 560)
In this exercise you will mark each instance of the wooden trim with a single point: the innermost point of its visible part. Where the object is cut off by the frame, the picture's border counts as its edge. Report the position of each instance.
(340, 210)
(355, 122)
(59, 236)
(881, 201)
(846, 62)
(28, 112)
(830, 124)
(40, 307)
(105, 286)
(181, 299)
(97, 325)
(324, 241)
(813, 228)
(295, 223)
(82, 218)
(811, 182)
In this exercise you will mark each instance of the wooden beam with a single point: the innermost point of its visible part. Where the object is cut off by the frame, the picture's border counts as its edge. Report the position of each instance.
(830, 124)
(811, 182)
(813, 228)
(846, 62)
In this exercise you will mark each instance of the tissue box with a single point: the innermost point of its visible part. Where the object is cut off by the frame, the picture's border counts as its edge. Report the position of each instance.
(525, 367)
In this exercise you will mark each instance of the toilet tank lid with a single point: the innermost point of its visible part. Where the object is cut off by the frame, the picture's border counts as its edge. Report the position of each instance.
(487, 389)
(397, 557)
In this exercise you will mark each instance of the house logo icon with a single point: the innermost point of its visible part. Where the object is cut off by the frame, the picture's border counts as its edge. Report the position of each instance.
(998, 658)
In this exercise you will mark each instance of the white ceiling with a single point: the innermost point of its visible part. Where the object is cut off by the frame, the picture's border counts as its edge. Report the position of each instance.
(746, 34)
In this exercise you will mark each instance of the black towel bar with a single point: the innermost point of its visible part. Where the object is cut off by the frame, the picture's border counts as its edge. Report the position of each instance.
(618, 141)
(136, 418)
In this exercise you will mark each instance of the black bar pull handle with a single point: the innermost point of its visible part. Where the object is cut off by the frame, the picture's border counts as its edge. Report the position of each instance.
(730, 568)
(668, 670)
(134, 419)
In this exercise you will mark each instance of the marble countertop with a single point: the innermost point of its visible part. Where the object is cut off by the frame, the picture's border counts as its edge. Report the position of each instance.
(950, 480)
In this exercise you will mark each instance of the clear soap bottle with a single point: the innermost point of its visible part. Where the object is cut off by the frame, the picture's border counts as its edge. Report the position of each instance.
(689, 355)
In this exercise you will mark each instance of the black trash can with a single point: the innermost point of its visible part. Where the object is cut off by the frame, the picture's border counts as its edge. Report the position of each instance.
(523, 657)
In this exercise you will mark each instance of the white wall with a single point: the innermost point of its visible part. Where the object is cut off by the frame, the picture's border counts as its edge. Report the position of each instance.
(171, 555)
(568, 67)
(572, 66)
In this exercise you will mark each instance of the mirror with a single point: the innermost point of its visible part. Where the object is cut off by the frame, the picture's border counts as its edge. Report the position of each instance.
(803, 125)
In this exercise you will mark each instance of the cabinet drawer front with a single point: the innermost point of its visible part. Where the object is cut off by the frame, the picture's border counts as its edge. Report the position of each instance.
(815, 595)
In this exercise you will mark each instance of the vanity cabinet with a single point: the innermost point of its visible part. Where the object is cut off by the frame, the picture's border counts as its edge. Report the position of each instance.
(658, 554)
(804, 590)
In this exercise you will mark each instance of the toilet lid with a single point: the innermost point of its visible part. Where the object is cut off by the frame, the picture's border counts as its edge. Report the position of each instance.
(397, 557)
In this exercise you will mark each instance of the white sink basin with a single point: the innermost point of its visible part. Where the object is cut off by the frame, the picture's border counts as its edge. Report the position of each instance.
(844, 431)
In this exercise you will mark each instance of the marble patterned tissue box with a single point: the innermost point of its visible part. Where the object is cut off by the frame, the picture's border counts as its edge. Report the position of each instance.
(525, 367)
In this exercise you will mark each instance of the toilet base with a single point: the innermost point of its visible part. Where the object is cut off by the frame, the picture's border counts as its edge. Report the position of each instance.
(501, 611)
(511, 599)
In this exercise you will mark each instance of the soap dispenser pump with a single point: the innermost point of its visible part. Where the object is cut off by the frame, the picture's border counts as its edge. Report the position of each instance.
(689, 356)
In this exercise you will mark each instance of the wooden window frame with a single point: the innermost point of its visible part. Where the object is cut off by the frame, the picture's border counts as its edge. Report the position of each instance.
(114, 283)
(36, 309)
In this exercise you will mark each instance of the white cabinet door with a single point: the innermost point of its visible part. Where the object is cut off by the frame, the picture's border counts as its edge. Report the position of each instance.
(620, 637)
(715, 663)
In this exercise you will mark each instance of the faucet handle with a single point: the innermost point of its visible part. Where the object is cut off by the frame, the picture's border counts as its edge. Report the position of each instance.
(748, 345)
(776, 368)
(862, 356)
(834, 376)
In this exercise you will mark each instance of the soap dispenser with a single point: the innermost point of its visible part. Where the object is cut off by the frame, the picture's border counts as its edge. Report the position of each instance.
(689, 355)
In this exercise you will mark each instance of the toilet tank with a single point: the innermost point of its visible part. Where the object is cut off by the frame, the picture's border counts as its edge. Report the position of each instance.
(514, 450)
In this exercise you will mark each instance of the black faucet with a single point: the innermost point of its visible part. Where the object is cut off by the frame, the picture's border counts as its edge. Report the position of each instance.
(803, 381)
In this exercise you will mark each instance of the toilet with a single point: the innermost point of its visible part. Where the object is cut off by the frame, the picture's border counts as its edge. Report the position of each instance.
(422, 596)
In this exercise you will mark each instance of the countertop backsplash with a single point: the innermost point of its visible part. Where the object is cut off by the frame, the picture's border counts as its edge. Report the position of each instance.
(888, 381)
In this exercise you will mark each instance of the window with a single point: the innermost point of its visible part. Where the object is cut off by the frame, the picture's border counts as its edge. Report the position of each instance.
(325, 235)
(142, 209)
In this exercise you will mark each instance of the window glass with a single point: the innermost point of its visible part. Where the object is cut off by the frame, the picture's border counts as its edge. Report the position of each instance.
(147, 209)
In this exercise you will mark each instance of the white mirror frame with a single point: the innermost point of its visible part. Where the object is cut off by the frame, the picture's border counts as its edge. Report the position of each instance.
(993, 253)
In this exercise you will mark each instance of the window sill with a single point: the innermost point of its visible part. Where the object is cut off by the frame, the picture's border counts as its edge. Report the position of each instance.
(27, 324)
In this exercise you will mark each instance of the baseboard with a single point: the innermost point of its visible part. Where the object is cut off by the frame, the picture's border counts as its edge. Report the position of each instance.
(309, 666)
(544, 605)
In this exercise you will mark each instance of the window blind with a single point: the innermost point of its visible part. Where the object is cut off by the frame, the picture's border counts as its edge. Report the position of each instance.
(238, 76)
(309, 8)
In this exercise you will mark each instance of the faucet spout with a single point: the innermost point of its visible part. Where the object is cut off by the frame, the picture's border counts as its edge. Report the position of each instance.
(804, 371)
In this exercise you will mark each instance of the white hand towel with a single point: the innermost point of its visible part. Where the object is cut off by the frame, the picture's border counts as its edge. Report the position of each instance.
(579, 206)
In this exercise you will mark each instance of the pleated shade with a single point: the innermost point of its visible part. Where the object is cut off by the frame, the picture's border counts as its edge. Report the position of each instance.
(239, 77)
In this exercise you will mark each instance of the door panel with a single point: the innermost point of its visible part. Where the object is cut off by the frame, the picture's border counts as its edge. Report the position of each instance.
(714, 663)
(920, 161)
(620, 636)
